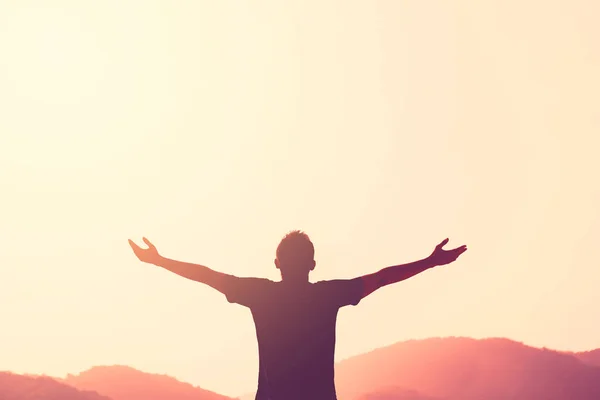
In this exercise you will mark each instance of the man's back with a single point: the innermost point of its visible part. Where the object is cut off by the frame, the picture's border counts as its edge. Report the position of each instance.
(295, 329)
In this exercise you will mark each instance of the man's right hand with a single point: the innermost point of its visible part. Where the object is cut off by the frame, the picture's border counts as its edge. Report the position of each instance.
(149, 255)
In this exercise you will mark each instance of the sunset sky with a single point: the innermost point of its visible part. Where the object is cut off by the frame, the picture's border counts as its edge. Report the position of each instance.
(215, 127)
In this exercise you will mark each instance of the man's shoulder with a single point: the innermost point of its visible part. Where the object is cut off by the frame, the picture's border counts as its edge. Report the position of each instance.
(330, 285)
(342, 292)
(247, 290)
(250, 280)
(337, 281)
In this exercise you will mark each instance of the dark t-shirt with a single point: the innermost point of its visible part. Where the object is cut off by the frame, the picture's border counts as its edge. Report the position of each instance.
(295, 328)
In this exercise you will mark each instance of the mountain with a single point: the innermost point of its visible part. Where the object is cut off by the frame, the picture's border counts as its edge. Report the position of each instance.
(126, 383)
(22, 387)
(431, 369)
(389, 393)
(395, 393)
(467, 369)
(589, 357)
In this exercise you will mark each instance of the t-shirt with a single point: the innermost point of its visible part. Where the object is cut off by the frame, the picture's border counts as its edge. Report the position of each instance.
(295, 329)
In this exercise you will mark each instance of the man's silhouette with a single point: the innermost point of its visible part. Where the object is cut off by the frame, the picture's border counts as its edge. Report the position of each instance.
(295, 319)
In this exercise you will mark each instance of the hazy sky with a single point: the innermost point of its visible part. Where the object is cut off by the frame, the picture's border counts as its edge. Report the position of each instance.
(214, 127)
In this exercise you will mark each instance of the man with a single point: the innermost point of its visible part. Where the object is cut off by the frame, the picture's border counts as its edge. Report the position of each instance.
(295, 319)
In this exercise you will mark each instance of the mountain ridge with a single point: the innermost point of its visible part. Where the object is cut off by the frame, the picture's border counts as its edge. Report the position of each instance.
(25, 387)
(436, 368)
(466, 368)
(121, 382)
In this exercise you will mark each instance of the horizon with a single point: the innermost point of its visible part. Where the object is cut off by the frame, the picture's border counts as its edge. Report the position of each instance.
(560, 351)
(517, 372)
(378, 128)
(74, 374)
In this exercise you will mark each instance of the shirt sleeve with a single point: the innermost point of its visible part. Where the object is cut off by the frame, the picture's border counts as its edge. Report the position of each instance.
(344, 292)
(245, 291)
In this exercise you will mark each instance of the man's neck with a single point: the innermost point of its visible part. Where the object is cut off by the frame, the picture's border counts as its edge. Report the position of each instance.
(295, 280)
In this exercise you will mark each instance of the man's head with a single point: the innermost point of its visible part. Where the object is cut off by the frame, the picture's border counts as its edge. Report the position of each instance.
(295, 255)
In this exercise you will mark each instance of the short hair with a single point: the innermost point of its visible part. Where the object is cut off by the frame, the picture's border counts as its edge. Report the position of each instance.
(295, 246)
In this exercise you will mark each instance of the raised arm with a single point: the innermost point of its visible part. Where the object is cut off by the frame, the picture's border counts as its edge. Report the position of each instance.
(195, 272)
(398, 273)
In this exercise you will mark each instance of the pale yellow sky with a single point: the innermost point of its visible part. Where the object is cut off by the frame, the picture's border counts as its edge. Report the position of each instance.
(213, 128)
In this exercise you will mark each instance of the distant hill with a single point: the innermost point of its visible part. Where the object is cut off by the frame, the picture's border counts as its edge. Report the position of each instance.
(395, 393)
(390, 393)
(431, 369)
(21, 387)
(126, 383)
(468, 369)
(589, 357)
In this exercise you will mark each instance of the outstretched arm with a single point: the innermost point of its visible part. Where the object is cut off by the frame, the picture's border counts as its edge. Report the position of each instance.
(195, 272)
(401, 272)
